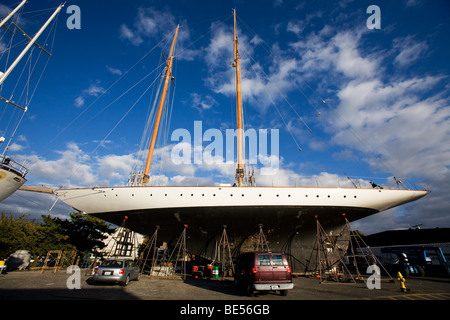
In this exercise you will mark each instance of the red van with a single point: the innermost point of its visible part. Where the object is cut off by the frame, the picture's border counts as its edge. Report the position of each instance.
(263, 271)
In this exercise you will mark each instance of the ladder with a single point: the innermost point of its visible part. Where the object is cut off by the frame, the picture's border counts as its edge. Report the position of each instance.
(125, 242)
(60, 258)
(68, 257)
(52, 255)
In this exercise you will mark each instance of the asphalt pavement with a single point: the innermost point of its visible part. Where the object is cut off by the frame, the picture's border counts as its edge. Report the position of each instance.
(190, 295)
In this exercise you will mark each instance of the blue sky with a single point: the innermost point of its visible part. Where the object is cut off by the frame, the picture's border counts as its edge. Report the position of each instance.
(386, 92)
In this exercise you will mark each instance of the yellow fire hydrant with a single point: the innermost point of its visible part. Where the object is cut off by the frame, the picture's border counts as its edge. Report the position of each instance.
(402, 281)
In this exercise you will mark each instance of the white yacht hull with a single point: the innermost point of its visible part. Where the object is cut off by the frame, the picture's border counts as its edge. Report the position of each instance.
(122, 199)
(288, 214)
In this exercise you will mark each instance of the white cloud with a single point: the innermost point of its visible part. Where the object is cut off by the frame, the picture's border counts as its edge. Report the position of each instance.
(413, 3)
(348, 59)
(94, 90)
(4, 10)
(402, 120)
(409, 50)
(288, 177)
(15, 147)
(326, 50)
(114, 70)
(72, 167)
(151, 23)
(396, 122)
(34, 205)
(127, 34)
(296, 27)
(201, 102)
(191, 181)
(116, 167)
(220, 48)
(260, 87)
(79, 101)
(277, 3)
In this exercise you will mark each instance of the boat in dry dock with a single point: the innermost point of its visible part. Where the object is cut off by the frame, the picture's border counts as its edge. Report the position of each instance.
(287, 214)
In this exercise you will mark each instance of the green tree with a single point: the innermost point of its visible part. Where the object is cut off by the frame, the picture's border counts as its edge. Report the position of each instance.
(18, 234)
(84, 232)
(55, 237)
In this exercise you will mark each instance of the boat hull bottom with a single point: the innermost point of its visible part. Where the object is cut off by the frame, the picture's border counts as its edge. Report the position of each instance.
(289, 229)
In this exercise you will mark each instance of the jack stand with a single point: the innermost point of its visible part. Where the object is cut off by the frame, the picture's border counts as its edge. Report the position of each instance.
(180, 249)
(262, 241)
(224, 254)
(150, 247)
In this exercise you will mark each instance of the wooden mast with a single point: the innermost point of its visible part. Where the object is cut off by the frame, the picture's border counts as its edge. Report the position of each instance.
(169, 62)
(237, 65)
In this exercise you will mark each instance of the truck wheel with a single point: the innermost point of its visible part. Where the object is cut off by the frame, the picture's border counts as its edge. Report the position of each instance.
(406, 272)
(420, 271)
(249, 290)
(284, 292)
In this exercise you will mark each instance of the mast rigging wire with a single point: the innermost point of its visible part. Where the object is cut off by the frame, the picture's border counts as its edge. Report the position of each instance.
(103, 93)
(25, 95)
(112, 130)
(130, 109)
(267, 48)
(275, 105)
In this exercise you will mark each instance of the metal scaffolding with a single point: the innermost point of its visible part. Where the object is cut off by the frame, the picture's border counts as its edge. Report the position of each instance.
(329, 261)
